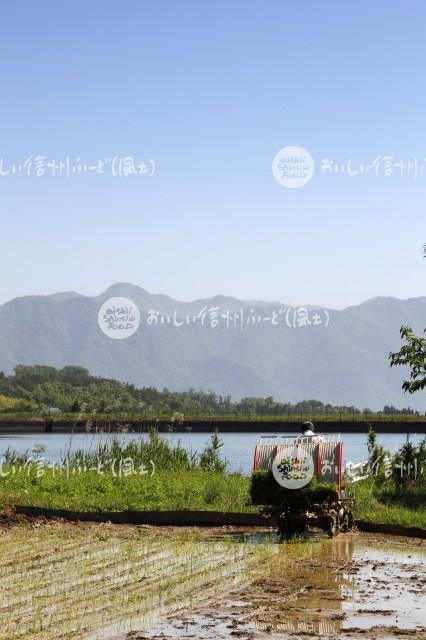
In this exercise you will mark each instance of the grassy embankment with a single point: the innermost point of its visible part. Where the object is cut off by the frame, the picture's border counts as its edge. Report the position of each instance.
(395, 491)
(389, 505)
(165, 477)
(140, 475)
(176, 490)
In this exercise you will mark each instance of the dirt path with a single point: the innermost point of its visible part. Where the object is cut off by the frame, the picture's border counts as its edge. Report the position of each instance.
(359, 586)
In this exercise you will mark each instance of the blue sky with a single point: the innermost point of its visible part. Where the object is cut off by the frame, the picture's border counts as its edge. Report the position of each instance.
(211, 91)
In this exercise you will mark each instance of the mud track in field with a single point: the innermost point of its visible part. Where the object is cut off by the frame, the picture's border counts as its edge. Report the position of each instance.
(352, 587)
(90, 582)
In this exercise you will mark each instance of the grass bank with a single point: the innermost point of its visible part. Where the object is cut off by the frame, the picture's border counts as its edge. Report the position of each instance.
(89, 491)
(156, 475)
(190, 490)
(387, 505)
(138, 475)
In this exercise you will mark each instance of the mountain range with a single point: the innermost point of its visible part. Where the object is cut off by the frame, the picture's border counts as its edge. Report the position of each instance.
(230, 346)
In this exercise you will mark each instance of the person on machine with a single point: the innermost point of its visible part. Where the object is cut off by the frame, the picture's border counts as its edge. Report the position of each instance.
(308, 433)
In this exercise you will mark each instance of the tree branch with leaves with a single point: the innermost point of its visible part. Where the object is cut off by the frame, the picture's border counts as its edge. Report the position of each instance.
(413, 355)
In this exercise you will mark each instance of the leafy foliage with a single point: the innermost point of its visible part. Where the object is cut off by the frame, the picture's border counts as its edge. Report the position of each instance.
(376, 455)
(409, 467)
(15, 404)
(156, 452)
(74, 389)
(210, 459)
(412, 354)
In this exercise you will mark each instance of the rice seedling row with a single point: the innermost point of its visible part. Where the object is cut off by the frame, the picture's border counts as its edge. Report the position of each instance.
(123, 580)
(57, 563)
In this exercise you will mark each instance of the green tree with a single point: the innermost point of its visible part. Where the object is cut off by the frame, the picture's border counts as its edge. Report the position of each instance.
(210, 459)
(376, 455)
(77, 376)
(29, 376)
(76, 407)
(413, 355)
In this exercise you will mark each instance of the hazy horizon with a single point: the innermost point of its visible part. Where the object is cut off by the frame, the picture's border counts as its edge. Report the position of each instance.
(204, 297)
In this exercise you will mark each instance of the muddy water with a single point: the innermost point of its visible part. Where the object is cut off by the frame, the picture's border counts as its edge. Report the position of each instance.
(356, 586)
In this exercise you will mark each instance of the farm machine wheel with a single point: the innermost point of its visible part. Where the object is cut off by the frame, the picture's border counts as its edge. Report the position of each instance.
(338, 517)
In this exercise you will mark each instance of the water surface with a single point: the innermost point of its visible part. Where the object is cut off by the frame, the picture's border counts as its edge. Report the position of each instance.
(238, 448)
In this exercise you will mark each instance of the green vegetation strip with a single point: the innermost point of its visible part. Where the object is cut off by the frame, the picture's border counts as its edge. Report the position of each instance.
(88, 491)
(34, 390)
(179, 480)
(376, 504)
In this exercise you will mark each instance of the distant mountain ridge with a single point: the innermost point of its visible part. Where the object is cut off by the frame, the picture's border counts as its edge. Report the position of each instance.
(345, 363)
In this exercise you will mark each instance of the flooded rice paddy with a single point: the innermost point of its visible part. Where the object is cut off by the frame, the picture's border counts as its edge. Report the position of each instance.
(348, 588)
(109, 582)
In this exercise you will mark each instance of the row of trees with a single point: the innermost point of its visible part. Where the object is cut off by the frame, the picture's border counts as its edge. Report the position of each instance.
(74, 389)
(405, 467)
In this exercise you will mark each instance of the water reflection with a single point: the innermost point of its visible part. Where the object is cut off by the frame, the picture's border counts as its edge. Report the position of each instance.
(317, 607)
